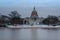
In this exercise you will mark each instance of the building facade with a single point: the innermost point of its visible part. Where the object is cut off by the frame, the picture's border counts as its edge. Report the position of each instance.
(34, 18)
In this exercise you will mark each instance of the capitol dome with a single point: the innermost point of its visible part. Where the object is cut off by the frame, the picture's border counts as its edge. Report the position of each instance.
(34, 14)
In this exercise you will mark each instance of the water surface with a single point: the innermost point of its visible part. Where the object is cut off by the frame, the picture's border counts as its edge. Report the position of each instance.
(29, 34)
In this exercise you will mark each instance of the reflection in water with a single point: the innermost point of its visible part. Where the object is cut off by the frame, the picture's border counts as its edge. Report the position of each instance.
(29, 34)
(34, 34)
(53, 34)
(15, 34)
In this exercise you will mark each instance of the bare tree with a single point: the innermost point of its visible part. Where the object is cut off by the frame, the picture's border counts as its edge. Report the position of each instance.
(15, 18)
(50, 20)
(14, 14)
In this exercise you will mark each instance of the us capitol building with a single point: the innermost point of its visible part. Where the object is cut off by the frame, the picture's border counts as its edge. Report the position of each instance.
(34, 18)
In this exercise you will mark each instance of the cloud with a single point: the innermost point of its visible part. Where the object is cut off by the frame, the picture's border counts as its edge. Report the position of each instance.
(44, 7)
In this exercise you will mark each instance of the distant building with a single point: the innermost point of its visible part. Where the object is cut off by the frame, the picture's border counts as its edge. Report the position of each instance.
(3, 19)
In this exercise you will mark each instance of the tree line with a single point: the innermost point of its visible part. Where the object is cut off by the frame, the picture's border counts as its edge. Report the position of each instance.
(13, 19)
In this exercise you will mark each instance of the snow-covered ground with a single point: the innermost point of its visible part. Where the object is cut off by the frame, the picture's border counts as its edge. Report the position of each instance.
(31, 26)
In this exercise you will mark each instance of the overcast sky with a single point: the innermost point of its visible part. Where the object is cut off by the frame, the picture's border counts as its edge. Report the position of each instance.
(25, 7)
